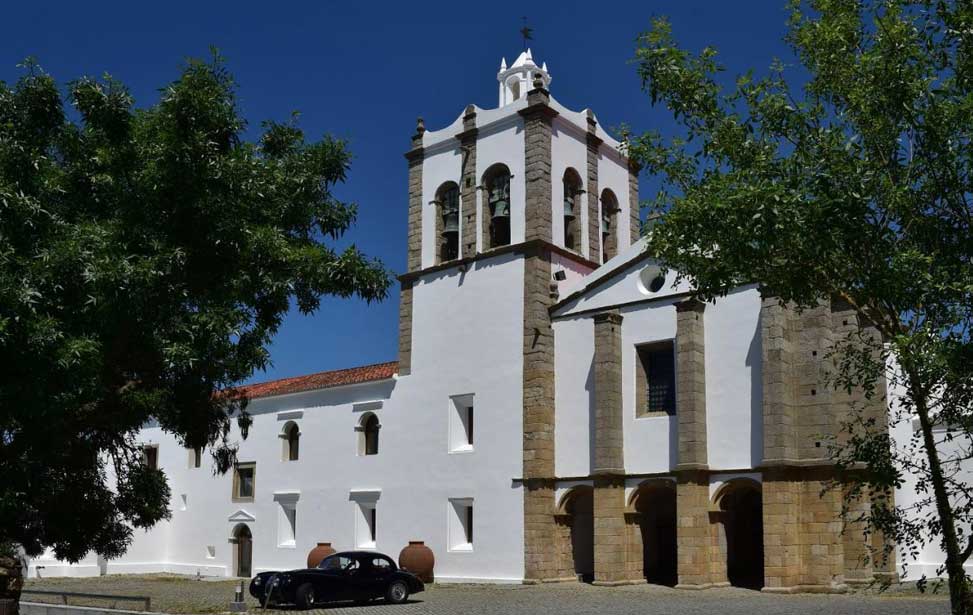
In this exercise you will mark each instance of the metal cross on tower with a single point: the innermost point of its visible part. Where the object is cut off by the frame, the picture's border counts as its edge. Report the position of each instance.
(527, 33)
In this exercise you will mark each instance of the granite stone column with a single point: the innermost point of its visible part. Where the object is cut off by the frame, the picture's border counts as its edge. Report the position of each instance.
(540, 531)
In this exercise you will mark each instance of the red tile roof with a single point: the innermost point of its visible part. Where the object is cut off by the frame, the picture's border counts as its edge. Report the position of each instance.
(321, 380)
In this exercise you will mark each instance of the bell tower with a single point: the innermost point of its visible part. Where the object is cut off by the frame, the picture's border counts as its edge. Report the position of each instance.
(508, 206)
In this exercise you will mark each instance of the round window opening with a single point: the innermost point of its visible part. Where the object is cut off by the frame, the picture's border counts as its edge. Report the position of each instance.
(651, 280)
(656, 284)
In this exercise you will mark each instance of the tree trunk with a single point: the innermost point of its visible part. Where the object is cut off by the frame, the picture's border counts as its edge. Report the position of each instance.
(11, 582)
(959, 593)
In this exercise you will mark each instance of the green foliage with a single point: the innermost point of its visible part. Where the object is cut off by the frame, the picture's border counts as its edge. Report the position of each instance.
(147, 257)
(854, 185)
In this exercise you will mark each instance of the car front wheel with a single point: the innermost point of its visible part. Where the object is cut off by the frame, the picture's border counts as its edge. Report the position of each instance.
(397, 592)
(305, 596)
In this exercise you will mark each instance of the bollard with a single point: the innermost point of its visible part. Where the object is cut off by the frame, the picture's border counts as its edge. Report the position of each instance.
(238, 605)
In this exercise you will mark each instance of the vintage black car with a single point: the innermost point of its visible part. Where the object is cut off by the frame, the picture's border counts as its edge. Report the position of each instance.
(359, 576)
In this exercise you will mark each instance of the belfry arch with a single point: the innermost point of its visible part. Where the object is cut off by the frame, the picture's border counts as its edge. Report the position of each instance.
(738, 505)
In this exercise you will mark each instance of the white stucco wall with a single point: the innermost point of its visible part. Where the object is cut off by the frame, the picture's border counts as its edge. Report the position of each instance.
(733, 383)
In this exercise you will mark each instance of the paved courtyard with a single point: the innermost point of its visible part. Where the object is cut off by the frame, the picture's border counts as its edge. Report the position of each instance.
(175, 594)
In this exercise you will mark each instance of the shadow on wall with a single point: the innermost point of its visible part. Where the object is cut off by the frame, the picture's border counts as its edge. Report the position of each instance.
(754, 361)
(589, 386)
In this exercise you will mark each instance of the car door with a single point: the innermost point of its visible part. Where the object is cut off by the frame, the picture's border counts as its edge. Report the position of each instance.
(353, 579)
(331, 578)
(380, 571)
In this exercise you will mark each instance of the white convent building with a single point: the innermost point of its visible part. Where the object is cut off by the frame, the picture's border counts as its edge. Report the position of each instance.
(559, 408)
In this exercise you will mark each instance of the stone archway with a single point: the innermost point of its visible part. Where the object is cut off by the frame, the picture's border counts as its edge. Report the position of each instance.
(655, 507)
(576, 518)
(740, 503)
(242, 551)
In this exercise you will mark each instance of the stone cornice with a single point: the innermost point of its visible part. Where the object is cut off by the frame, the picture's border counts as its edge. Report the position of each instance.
(526, 247)
(414, 154)
(541, 110)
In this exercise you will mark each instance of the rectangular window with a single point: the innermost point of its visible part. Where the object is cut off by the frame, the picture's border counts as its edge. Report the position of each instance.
(460, 524)
(461, 423)
(150, 455)
(656, 379)
(287, 523)
(366, 525)
(244, 482)
(195, 457)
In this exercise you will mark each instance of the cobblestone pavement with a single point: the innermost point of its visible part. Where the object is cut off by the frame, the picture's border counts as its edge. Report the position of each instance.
(175, 594)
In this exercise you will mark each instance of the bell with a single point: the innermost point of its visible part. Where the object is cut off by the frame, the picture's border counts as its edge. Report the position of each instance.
(569, 207)
(500, 199)
(451, 222)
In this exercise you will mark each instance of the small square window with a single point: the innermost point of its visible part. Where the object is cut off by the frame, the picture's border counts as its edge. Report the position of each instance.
(655, 379)
(461, 524)
(244, 483)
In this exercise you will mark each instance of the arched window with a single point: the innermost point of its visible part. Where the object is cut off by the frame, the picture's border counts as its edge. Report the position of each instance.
(496, 222)
(447, 222)
(290, 439)
(368, 428)
(572, 209)
(609, 232)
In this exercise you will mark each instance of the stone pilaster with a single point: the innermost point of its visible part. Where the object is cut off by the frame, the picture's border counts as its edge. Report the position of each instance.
(415, 158)
(468, 184)
(541, 561)
(817, 421)
(691, 385)
(538, 420)
(537, 145)
(414, 252)
(781, 497)
(777, 354)
(405, 328)
(633, 202)
(693, 532)
(608, 458)
(538, 377)
(594, 219)
(610, 530)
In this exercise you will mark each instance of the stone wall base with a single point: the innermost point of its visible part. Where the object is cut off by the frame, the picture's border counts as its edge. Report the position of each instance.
(840, 588)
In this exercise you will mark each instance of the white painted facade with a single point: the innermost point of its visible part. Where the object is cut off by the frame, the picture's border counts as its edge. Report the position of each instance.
(467, 349)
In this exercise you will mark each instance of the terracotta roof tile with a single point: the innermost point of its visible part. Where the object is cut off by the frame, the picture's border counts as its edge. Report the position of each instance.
(321, 380)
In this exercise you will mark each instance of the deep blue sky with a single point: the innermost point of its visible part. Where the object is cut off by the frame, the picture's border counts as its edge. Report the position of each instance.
(364, 71)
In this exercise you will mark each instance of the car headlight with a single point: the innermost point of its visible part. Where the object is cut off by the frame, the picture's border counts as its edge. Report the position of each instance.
(257, 582)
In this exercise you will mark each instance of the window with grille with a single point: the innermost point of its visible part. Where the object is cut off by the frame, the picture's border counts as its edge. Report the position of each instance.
(656, 379)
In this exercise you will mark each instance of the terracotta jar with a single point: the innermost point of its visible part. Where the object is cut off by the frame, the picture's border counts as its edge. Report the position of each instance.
(418, 559)
(318, 553)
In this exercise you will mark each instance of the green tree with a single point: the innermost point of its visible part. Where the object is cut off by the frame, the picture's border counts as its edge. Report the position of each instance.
(147, 258)
(849, 177)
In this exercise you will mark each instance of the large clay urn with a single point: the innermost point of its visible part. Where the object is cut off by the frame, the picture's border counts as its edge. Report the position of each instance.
(418, 559)
(318, 553)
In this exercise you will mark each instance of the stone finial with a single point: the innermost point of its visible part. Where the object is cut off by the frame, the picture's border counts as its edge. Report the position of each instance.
(538, 82)
(420, 125)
